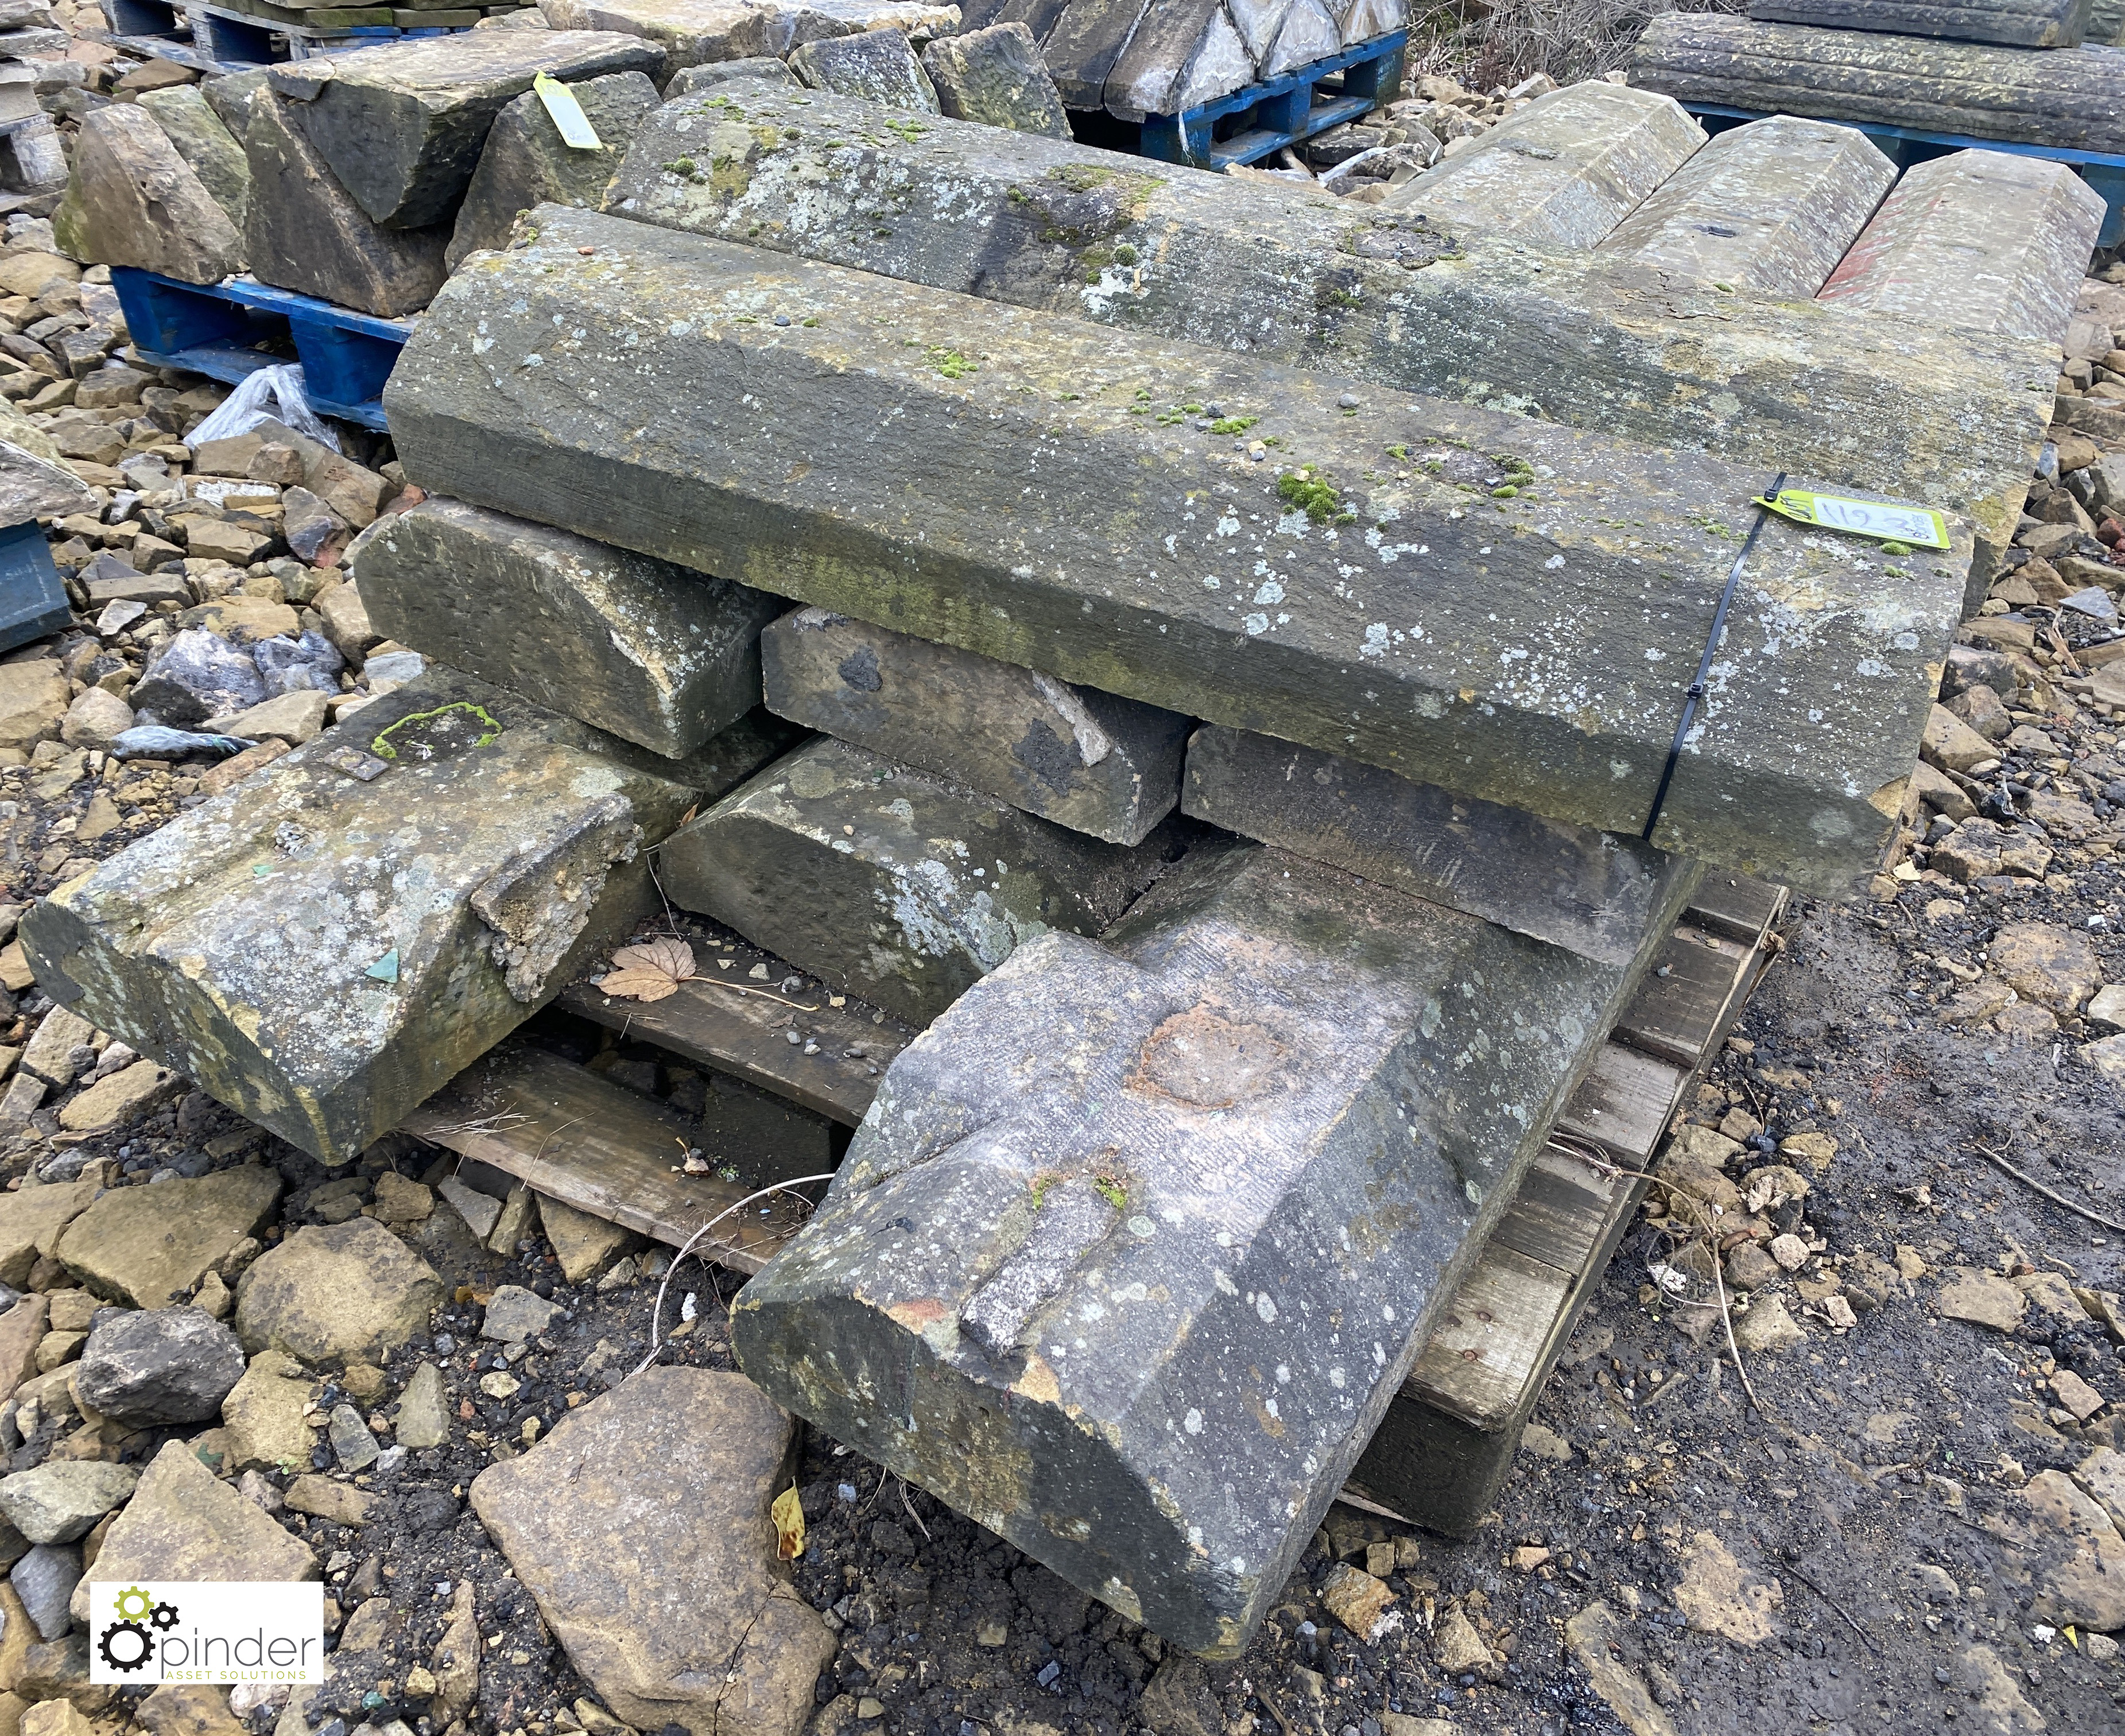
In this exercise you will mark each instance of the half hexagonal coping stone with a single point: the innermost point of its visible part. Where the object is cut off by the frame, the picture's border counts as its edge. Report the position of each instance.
(336, 1293)
(1982, 238)
(2012, 23)
(1284, 274)
(184, 1523)
(1563, 171)
(1588, 892)
(1083, 758)
(1502, 632)
(32, 1218)
(158, 1365)
(1770, 207)
(321, 951)
(303, 230)
(1206, 1185)
(133, 199)
(144, 1245)
(525, 162)
(640, 1526)
(402, 126)
(892, 885)
(655, 654)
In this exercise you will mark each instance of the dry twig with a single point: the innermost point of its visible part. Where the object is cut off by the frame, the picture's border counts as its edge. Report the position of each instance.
(1999, 1160)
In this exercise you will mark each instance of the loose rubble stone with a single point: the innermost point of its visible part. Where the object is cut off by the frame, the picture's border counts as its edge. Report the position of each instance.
(498, 854)
(2054, 967)
(1364, 1604)
(1257, 1014)
(183, 1524)
(159, 1366)
(305, 232)
(424, 1418)
(45, 1579)
(1087, 760)
(996, 76)
(32, 1218)
(524, 162)
(341, 1503)
(62, 1499)
(912, 888)
(1770, 207)
(133, 200)
(1983, 1298)
(206, 144)
(402, 126)
(143, 1245)
(877, 66)
(2081, 1579)
(95, 719)
(336, 1293)
(120, 1097)
(1767, 1329)
(1717, 1594)
(1591, 892)
(669, 1606)
(585, 1245)
(1565, 170)
(197, 675)
(1815, 815)
(514, 1313)
(352, 1445)
(479, 1210)
(21, 1330)
(655, 654)
(401, 1201)
(264, 1413)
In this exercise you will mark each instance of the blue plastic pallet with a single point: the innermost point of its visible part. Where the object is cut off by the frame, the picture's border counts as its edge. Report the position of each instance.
(1250, 124)
(224, 40)
(1906, 146)
(33, 601)
(218, 329)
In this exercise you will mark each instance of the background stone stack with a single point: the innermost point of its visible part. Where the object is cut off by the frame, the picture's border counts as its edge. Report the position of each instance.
(30, 161)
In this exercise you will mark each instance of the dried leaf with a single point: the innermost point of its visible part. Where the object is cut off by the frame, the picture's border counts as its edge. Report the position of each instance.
(638, 985)
(675, 958)
(789, 1515)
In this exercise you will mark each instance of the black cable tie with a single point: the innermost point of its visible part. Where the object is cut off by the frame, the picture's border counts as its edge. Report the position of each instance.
(1696, 690)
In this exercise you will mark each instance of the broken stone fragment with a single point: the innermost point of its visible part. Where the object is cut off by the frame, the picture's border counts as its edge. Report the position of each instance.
(1985, 239)
(996, 76)
(1903, 406)
(205, 143)
(1770, 207)
(892, 885)
(1564, 170)
(335, 1294)
(133, 201)
(321, 952)
(1207, 1184)
(1791, 769)
(525, 162)
(1589, 892)
(1084, 759)
(876, 65)
(304, 232)
(152, 1366)
(401, 126)
(652, 652)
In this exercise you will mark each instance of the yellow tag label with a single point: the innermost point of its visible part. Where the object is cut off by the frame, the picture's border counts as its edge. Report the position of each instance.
(1917, 527)
(576, 131)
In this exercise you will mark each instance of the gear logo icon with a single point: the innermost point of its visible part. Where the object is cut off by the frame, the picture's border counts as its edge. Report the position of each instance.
(165, 1616)
(126, 1646)
(133, 1604)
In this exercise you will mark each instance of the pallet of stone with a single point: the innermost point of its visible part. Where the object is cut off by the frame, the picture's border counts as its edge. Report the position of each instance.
(1261, 119)
(228, 331)
(571, 1136)
(1448, 1440)
(233, 37)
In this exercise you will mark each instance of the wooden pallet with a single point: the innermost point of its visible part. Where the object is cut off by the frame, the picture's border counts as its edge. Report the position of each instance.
(228, 330)
(1252, 124)
(1448, 1442)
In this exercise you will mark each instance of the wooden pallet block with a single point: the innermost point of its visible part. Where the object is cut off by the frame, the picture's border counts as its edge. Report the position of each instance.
(1449, 1439)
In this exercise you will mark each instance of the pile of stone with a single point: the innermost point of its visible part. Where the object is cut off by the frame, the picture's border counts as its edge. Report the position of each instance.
(1362, 159)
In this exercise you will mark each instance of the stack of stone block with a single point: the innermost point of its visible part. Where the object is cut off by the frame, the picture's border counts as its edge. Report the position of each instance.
(1092, 616)
(32, 162)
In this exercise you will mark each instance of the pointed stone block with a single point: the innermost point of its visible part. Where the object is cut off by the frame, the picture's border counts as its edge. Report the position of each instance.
(1770, 207)
(1207, 1186)
(133, 200)
(890, 884)
(1563, 171)
(525, 162)
(321, 950)
(1084, 44)
(1043, 501)
(1308, 34)
(1279, 271)
(1983, 240)
(204, 142)
(1150, 70)
(1087, 760)
(401, 126)
(304, 232)
(877, 66)
(1588, 892)
(649, 651)
(996, 76)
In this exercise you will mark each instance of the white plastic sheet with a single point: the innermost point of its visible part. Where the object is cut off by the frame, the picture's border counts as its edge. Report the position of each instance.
(276, 393)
